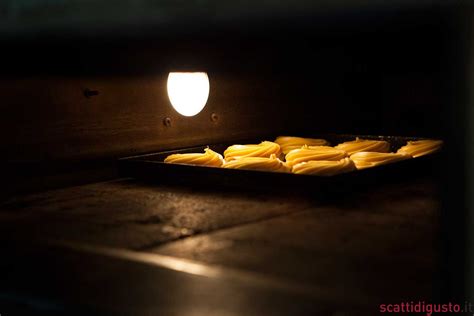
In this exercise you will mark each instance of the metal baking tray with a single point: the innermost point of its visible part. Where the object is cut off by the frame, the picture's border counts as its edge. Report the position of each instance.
(151, 167)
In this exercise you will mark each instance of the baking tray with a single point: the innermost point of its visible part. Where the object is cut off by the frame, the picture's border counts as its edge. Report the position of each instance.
(151, 167)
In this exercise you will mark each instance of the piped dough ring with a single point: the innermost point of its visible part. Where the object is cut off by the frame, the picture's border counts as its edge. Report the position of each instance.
(419, 148)
(271, 163)
(363, 160)
(264, 149)
(324, 167)
(208, 158)
(288, 143)
(308, 153)
(359, 145)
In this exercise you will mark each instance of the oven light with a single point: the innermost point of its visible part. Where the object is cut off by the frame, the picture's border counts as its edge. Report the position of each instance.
(188, 91)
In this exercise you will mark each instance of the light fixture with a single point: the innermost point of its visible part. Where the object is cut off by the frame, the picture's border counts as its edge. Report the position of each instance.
(188, 91)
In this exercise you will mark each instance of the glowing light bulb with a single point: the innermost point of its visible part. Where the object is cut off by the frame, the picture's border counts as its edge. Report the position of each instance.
(188, 91)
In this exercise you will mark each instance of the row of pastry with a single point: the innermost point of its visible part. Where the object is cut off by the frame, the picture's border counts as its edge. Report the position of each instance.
(308, 155)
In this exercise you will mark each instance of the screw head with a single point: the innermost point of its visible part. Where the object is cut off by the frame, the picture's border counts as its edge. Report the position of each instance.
(214, 117)
(167, 121)
(88, 93)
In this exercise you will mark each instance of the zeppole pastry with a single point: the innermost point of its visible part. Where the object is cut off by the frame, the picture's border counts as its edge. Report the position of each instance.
(208, 158)
(258, 163)
(288, 143)
(324, 167)
(367, 159)
(308, 153)
(419, 148)
(359, 145)
(264, 149)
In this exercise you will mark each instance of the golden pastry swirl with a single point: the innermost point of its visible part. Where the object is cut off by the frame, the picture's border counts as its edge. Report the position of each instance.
(258, 163)
(208, 158)
(359, 145)
(308, 153)
(419, 148)
(288, 143)
(324, 167)
(264, 149)
(367, 159)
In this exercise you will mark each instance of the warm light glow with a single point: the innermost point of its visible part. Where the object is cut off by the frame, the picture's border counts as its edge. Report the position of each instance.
(188, 91)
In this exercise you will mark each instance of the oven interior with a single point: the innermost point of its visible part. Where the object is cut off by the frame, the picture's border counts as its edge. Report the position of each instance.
(78, 98)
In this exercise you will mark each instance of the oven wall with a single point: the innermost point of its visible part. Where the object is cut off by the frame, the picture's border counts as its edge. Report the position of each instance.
(49, 117)
(376, 74)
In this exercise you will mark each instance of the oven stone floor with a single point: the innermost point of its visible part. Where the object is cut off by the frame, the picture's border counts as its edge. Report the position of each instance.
(254, 253)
